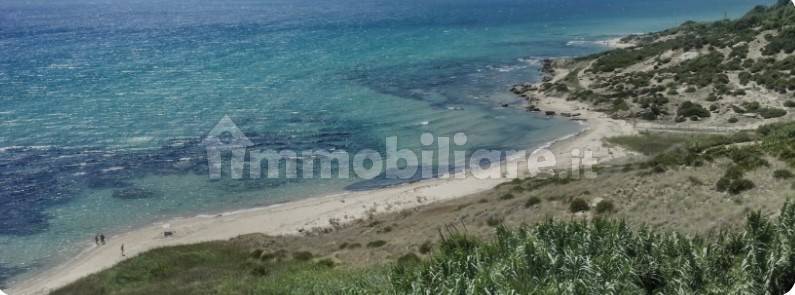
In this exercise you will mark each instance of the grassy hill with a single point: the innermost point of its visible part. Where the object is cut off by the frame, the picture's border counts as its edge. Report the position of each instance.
(599, 257)
(718, 73)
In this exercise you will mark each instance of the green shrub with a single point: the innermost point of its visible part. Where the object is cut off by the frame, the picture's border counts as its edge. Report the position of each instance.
(426, 247)
(303, 255)
(376, 244)
(769, 113)
(409, 259)
(579, 205)
(740, 185)
(782, 42)
(691, 109)
(493, 221)
(695, 181)
(605, 206)
(257, 253)
(782, 174)
(723, 184)
(532, 201)
(275, 255)
(751, 107)
(326, 262)
(733, 120)
(507, 196)
(790, 104)
(260, 271)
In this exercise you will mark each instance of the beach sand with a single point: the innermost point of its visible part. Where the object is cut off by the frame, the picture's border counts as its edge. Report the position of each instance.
(308, 214)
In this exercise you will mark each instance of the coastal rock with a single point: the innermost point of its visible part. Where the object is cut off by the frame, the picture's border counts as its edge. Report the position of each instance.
(522, 88)
(134, 194)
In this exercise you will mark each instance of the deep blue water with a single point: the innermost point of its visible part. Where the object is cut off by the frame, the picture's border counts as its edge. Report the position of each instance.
(103, 104)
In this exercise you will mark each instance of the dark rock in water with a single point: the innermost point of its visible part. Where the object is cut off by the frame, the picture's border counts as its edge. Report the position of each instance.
(201, 169)
(547, 66)
(22, 197)
(549, 113)
(6, 273)
(505, 105)
(134, 194)
(106, 182)
(22, 221)
(533, 108)
(522, 88)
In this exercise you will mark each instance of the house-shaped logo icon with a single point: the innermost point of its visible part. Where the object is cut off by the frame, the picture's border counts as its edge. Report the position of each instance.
(1, 292)
(226, 137)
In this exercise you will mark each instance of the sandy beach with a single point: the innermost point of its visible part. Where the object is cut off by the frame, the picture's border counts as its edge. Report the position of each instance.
(307, 214)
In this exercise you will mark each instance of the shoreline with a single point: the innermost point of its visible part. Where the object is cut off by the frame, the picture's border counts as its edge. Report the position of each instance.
(296, 217)
(303, 215)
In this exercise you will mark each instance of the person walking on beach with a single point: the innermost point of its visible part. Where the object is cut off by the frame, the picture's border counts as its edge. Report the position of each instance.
(96, 239)
(122, 250)
(102, 238)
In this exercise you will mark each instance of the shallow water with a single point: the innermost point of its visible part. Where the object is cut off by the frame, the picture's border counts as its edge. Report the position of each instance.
(103, 105)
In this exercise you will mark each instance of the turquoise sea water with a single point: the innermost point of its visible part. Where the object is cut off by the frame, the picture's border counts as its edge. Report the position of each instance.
(102, 97)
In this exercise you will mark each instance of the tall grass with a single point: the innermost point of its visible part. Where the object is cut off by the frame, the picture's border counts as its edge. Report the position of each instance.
(609, 257)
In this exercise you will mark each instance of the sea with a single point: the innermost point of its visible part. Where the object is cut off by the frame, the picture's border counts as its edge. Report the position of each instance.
(104, 103)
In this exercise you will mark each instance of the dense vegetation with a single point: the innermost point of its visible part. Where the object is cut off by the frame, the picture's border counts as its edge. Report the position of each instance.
(576, 257)
(746, 151)
(701, 61)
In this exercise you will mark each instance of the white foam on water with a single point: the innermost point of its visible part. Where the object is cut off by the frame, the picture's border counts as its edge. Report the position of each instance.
(111, 169)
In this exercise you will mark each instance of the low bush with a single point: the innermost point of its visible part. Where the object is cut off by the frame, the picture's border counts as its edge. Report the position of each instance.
(690, 109)
(740, 185)
(579, 205)
(409, 259)
(326, 262)
(507, 196)
(782, 174)
(769, 113)
(532, 201)
(303, 255)
(605, 206)
(695, 181)
(426, 247)
(494, 221)
(376, 244)
(723, 184)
